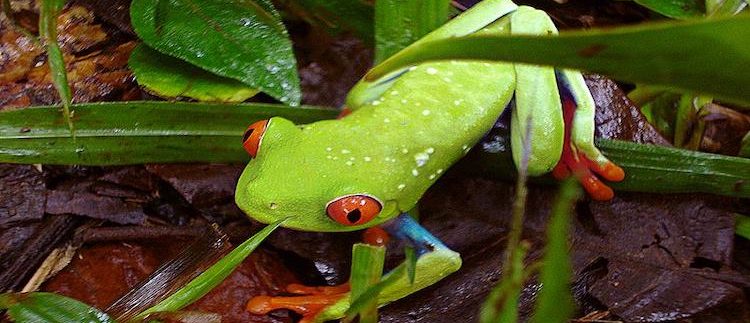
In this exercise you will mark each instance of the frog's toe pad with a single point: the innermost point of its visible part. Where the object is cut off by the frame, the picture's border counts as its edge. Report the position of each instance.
(586, 172)
(310, 302)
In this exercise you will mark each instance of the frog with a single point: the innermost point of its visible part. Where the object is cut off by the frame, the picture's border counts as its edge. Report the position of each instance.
(368, 168)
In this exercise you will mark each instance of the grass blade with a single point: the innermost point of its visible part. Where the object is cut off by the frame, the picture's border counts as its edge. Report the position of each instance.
(367, 268)
(49, 308)
(48, 12)
(213, 276)
(640, 54)
(555, 302)
(138, 132)
(648, 168)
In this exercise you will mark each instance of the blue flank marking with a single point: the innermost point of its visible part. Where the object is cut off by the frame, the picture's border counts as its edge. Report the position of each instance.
(406, 229)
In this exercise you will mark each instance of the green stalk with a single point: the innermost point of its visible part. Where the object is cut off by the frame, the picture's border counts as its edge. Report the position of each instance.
(48, 12)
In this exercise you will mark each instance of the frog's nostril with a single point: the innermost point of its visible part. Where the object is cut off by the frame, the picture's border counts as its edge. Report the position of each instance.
(273, 206)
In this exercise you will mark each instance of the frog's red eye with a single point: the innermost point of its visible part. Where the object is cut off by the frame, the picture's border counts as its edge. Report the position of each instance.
(253, 136)
(352, 210)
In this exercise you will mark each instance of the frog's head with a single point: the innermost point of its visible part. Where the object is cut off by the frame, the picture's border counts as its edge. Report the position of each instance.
(291, 176)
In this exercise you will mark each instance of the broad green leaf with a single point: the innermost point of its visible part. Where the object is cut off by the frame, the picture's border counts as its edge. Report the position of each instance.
(169, 77)
(677, 9)
(240, 39)
(742, 226)
(41, 307)
(213, 276)
(48, 12)
(399, 23)
(367, 268)
(335, 15)
(139, 132)
(555, 302)
(646, 53)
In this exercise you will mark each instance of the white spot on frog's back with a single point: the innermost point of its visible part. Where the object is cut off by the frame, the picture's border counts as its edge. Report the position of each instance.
(401, 187)
(431, 70)
(404, 151)
(345, 151)
(415, 172)
(394, 92)
(421, 159)
(376, 102)
(367, 158)
(425, 112)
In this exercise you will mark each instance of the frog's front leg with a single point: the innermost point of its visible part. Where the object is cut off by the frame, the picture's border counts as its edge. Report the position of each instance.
(561, 134)
(580, 157)
(434, 262)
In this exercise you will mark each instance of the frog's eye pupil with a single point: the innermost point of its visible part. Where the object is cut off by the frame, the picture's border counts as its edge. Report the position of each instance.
(253, 136)
(354, 216)
(355, 209)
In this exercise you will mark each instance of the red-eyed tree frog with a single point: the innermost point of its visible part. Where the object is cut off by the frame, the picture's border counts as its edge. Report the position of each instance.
(372, 166)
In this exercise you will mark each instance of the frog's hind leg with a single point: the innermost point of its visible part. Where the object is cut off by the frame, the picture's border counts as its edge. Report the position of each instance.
(580, 157)
(435, 261)
(315, 304)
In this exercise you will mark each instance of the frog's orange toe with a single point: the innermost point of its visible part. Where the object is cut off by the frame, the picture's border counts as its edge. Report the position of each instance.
(596, 189)
(309, 305)
(612, 172)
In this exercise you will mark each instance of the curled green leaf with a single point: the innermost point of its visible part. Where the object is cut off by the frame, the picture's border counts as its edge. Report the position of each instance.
(169, 77)
(242, 40)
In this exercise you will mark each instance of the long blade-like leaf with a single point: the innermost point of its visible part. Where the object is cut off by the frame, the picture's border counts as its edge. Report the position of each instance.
(138, 132)
(49, 308)
(48, 13)
(213, 276)
(650, 168)
(555, 301)
(642, 54)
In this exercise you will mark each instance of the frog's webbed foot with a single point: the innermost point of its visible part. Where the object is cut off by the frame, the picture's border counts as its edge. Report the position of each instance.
(309, 302)
(580, 157)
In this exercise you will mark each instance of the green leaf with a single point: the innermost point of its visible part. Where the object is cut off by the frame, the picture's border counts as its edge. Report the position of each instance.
(717, 8)
(661, 112)
(139, 132)
(677, 9)
(241, 39)
(410, 261)
(502, 303)
(48, 12)
(367, 268)
(169, 77)
(41, 307)
(213, 276)
(372, 293)
(745, 146)
(641, 54)
(648, 168)
(160, 132)
(555, 302)
(399, 23)
(335, 16)
(742, 226)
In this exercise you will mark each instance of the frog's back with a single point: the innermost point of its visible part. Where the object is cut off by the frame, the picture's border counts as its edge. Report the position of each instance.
(428, 119)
